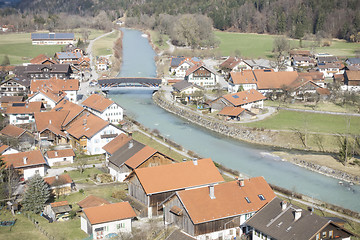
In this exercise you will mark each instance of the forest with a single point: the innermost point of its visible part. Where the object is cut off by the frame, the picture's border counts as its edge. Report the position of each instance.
(296, 18)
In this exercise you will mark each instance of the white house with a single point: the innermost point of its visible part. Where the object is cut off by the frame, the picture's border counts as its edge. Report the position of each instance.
(108, 219)
(329, 69)
(184, 87)
(179, 65)
(63, 156)
(52, 38)
(21, 113)
(104, 108)
(28, 163)
(90, 133)
(5, 149)
(201, 75)
(49, 99)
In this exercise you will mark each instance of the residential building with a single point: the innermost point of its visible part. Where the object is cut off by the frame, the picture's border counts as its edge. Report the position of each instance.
(352, 80)
(5, 101)
(90, 133)
(233, 64)
(107, 220)
(102, 64)
(92, 201)
(184, 88)
(60, 184)
(60, 157)
(23, 113)
(326, 59)
(260, 64)
(14, 87)
(302, 61)
(5, 149)
(68, 57)
(47, 97)
(201, 75)
(44, 71)
(329, 69)
(217, 211)
(27, 163)
(353, 62)
(153, 185)
(25, 138)
(280, 220)
(42, 59)
(104, 108)
(52, 38)
(74, 112)
(57, 211)
(179, 65)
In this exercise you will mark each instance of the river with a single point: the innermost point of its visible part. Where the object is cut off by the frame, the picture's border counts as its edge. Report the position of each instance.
(252, 160)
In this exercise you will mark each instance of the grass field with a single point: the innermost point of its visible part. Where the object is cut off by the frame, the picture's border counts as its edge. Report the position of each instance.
(261, 45)
(313, 122)
(104, 46)
(155, 39)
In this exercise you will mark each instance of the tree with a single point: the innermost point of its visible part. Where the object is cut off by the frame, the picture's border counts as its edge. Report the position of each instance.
(6, 61)
(36, 195)
(344, 149)
(80, 164)
(281, 47)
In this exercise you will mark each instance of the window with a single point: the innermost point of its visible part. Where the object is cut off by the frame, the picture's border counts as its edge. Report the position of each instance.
(64, 159)
(324, 234)
(247, 199)
(262, 198)
(331, 234)
(318, 236)
(37, 171)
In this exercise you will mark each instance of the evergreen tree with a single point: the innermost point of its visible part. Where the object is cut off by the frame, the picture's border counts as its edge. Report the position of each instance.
(36, 194)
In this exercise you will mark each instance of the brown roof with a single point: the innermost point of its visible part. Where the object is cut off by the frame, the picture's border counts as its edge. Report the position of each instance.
(28, 108)
(177, 176)
(87, 125)
(12, 131)
(8, 99)
(231, 111)
(301, 81)
(109, 212)
(92, 201)
(50, 120)
(3, 148)
(245, 76)
(229, 199)
(230, 63)
(141, 156)
(74, 110)
(55, 84)
(329, 65)
(314, 75)
(323, 91)
(58, 204)
(97, 102)
(195, 67)
(353, 75)
(300, 52)
(62, 179)
(60, 153)
(274, 80)
(17, 159)
(116, 143)
(244, 97)
(53, 95)
(39, 59)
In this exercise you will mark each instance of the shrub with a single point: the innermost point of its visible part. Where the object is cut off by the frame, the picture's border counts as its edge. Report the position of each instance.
(81, 191)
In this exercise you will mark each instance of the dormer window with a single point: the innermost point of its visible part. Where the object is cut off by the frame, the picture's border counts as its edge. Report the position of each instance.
(262, 198)
(247, 200)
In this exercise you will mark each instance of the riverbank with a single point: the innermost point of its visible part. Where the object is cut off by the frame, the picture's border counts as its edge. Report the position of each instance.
(327, 166)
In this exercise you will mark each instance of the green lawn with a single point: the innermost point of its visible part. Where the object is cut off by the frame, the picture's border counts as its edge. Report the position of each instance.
(313, 122)
(88, 173)
(104, 46)
(155, 36)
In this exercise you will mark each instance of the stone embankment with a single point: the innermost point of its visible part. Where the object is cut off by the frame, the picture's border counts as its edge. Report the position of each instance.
(260, 136)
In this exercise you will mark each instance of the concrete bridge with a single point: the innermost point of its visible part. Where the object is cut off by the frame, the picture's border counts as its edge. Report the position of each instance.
(129, 82)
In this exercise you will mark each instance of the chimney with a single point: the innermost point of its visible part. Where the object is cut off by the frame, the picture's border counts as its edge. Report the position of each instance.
(283, 205)
(50, 121)
(212, 191)
(131, 143)
(84, 122)
(195, 161)
(56, 154)
(241, 182)
(25, 160)
(184, 159)
(57, 177)
(297, 214)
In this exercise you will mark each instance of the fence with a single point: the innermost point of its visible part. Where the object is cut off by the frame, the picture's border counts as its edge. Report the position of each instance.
(37, 226)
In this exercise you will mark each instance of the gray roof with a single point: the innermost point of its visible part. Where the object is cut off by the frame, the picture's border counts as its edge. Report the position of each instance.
(125, 153)
(61, 209)
(176, 61)
(52, 36)
(54, 68)
(179, 235)
(179, 86)
(260, 63)
(279, 224)
(67, 55)
(327, 59)
(20, 80)
(353, 61)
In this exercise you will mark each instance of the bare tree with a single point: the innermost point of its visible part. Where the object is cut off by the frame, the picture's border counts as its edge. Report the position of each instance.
(281, 47)
(81, 163)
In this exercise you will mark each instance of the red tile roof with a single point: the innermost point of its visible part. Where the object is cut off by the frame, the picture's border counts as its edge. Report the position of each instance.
(244, 97)
(17, 159)
(87, 125)
(29, 108)
(97, 102)
(92, 201)
(353, 75)
(55, 84)
(3, 148)
(229, 200)
(116, 143)
(177, 176)
(109, 212)
(62, 180)
(58, 204)
(231, 111)
(39, 59)
(74, 110)
(12, 131)
(52, 121)
(60, 153)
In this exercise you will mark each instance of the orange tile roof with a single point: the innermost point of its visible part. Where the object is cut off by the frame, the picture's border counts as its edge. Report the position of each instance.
(314, 75)
(55, 96)
(74, 110)
(117, 143)
(87, 125)
(55, 84)
(274, 80)
(245, 76)
(17, 159)
(39, 59)
(60, 153)
(58, 204)
(62, 179)
(109, 212)
(244, 97)
(229, 200)
(353, 75)
(92, 201)
(29, 108)
(50, 120)
(231, 111)
(12, 131)
(97, 102)
(140, 157)
(3, 148)
(177, 176)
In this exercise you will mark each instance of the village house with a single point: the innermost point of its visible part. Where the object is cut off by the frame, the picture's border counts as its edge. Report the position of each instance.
(60, 184)
(153, 185)
(23, 113)
(329, 69)
(24, 138)
(14, 87)
(232, 113)
(280, 220)
(233, 64)
(90, 133)
(68, 57)
(185, 89)
(260, 64)
(303, 53)
(5, 101)
(316, 76)
(107, 220)
(48, 97)
(353, 62)
(75, 111)
(102, 64)
(44, 71)
(217, 211)
(250, 100)
(57, 211)
(352, 80)
(302, 61)
(5, 149)
(42, 59)
(52, 38)
(131, 155)
(92, 201)
(323, 59)
(60, 157)
(201, 75)
(179, 65)
(27, 163)
(104, 108)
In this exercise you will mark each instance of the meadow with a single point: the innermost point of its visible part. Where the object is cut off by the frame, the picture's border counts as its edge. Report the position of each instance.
(104, 45)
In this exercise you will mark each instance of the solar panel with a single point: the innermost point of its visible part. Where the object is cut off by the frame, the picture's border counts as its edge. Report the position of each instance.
(18, 104)
(235, 96)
